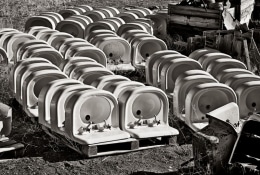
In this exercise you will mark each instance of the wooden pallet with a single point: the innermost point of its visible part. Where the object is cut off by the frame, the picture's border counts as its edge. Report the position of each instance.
(113, 147)
(7, 145)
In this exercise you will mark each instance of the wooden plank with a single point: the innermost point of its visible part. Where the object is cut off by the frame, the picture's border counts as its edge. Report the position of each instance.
(219, 42)
(173, 7)
(246, 51)
(204, 25)
(113, 147)
(194, 21)
(10, 145)
(203, 20)
(178, 19)
(227, 43)
(195, 13)
(236, 49)
(7, 143)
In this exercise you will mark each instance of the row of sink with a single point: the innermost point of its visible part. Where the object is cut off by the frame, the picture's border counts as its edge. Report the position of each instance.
(203, 82)
(36, 80)
(105, 46)
(78, 21)
(67, 83)
(111, 33)
(89, 105)
(63, 77)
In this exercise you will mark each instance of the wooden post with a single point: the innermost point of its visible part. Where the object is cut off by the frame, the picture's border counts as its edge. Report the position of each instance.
(247, 55)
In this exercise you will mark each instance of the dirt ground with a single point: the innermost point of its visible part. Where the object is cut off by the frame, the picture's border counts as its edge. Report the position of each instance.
(45, 155)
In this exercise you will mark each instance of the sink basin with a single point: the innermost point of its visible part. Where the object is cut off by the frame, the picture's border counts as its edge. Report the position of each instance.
(17, 69)
(65, 13)
(248, 94)
(91, 52)
(46, 95)
(98, 32)
(14, 43)
(203, 99)
(27, 70)
(102, 81)
(48, 53)
(35, 29)
(130, 26)
(88, 75)
(56, 39)
(130, 33)
(206, 59)
(57, 105)
(24, 47)
(156, 67)
(65, 65)
(144, 112)
(226, 74)
(32, 86)
(4, 57)
(150, 62)
(218, 65)
(97, 26)
(95, 15)
(91, 117)
(28, 50)
(172, 69)
(44, 34)
(116, 88)
(39, 21)
(143, 47)
(69, 49)
(182, 86)
(200, 52)
(75, 28)
(236, 80)
(127, 16)
(67, 43)
(159, 24)
(115, 48)
(75, 67)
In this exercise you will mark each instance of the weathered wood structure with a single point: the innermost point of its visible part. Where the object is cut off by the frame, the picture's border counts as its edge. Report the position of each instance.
(190, 21)
(187, 20)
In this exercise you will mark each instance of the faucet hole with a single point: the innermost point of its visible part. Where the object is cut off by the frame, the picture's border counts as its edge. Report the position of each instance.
(147, 54)
(208, 107)
(253, 104)
(138, 112)
(110, 54)
(87, 117)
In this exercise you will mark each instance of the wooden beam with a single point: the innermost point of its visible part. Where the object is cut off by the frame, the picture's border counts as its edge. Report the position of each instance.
(195, 13)
(248, 62)
(172, 8)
